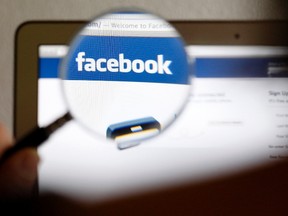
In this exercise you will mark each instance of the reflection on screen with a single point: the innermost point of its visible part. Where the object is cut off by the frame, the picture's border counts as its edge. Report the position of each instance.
(237, 116)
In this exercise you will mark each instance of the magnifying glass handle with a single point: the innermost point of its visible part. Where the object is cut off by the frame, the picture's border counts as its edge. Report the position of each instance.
(36, 137)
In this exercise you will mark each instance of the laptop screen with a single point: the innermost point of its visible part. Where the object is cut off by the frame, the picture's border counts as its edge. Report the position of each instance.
(237, 115)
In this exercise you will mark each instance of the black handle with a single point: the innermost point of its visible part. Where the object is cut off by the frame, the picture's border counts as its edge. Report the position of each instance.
(36, 137)
(33, 139)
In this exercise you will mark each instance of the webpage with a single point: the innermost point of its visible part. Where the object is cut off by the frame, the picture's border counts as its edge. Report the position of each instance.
(236, 117)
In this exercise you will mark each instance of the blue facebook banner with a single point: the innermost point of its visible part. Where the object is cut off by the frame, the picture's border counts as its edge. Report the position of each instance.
(206, 67)
(132, 59)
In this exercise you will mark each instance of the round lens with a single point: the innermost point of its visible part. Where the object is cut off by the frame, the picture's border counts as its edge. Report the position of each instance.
(126, 76)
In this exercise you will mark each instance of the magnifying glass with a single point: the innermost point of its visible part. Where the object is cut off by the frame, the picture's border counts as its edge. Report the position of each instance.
(126, 77)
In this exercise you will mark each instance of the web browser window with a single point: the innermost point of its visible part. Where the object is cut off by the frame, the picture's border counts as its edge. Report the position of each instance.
(238, 109)
(236, 116)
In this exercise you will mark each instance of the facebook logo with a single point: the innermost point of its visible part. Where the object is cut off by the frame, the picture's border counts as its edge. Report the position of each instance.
(123, 65)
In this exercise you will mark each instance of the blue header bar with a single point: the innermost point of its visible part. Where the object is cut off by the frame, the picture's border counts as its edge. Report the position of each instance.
(206, 67)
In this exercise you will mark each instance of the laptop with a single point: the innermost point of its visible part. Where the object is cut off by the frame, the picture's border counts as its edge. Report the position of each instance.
(236, 117)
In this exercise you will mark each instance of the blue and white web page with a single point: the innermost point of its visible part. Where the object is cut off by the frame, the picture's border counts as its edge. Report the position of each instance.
(237, 116)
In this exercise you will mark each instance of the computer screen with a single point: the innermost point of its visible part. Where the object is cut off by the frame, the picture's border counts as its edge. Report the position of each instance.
(237, 115)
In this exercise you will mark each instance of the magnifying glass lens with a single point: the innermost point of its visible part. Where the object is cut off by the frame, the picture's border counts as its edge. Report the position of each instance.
(126, 76)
